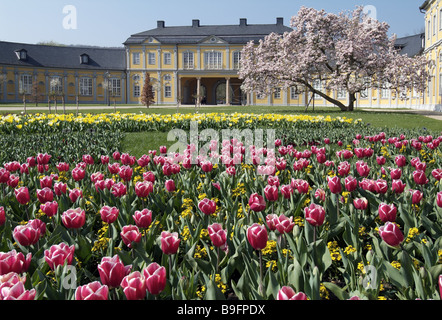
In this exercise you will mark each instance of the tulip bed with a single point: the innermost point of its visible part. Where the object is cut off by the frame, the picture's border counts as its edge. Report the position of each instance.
(335, 210)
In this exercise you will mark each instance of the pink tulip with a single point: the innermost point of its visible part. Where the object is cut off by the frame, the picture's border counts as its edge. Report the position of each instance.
(78, 173)
(43, 158)
(206, 166)
(58, 255)
(287, 293)
(257, 236)
(87, 158)
(391, 234)
(63, 166)
(169, 242)
(381, 160)
(125, 173)
(320, 194)
(420, 177)
(119, 189)
(217, 234)
(74, 218)
(334, 184)
(16, 291)
(143, 218)
(155, 276)
(271, 193)
(50, 209)
(26, 234)
(437, 174)
(13, 181)
(360, 203)
(301, 185)
(286, 191)
(169, 185)
(2, 216)
(114, 168)
(400, 160)
(143, 161)
(127, 159)
(60, 188)
(381, 186)
(130, 234)
(271, 220)
(350, 183)
(38, 224)
(257, 202)
(314, 214)
(109, 214)
(416, 196)
(92, 291)
(387, 212)
(134, 286)
(149, 176)
(362, 168)
(395, 173)
(75, 194)
(104, 159)
(207, 206)
(22, 195)
(112, 271)
(116, 155)
(44, 195)
(14, 262)
(439, 199)
(143, 188)
(284, 224)
(398, 186)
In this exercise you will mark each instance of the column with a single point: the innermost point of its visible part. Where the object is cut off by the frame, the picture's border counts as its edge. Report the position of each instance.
(198, 85)
(227, 91)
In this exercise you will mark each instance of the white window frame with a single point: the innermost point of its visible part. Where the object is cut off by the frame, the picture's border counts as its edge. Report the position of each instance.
(236, 59)
(167, 56)
(26, 83)
(341, 94)
(115, 87)
(86, 87)
(293, 94)
(277, 93)
(188, 60)
(58, 88)
(168, 91)
(151, 58)
(213, 60)
(136, 58)
(385, 92)
(137, 90)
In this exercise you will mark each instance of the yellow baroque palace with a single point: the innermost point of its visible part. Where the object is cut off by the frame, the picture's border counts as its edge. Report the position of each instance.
(184, 63)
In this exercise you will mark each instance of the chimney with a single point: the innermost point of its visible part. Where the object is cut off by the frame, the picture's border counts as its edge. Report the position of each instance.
(195, 23)
(279, 21)
(160, 24)
(243, 22)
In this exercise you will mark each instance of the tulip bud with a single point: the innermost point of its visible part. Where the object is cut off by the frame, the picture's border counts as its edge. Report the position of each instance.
(287, 293)
(134, 286)
(169, 242)
(387, 212)
(207, 206)
(2, 216)
(143, 218)
(256, 202)
(108, 214)
(130, 234)
(257, 236)
(112, 271)
(315, 214)
(58, 255)
(391, 234)
(217, 234)
(155, 276)
(334, 184)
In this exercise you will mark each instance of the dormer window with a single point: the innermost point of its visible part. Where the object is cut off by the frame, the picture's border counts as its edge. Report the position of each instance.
(84, 59)
(21, 54)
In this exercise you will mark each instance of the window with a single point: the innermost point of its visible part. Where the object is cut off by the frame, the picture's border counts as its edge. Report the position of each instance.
(385, 92)
(85, 86)
(236, 59)
(293, 93)
(167, 77)
(342, 94)
(136, 90)
(213, 60)
(136, 58)
(26, 83)
(167, 91)
(151, 58)
(434, 25)
(440, 19)
(115, 87)
(136, 77)
(188, 60)
(84, 58)
(429, 29)
(277, 93)
(56, 84)
(167, 58)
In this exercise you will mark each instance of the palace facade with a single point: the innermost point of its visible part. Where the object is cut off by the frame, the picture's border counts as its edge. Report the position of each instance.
(184, 63)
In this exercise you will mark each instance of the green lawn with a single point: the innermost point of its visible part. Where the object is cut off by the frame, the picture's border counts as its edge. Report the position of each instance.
(139, 143)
